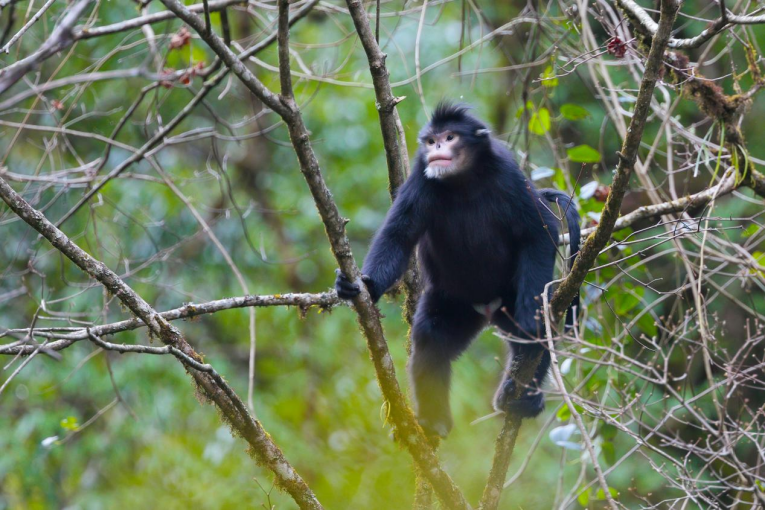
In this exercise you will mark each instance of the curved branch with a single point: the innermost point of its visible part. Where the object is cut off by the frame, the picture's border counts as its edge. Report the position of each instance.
(566, 292)
(402, 417)
(66, 336)
(61, 37)
(216, 389)
(639, 15)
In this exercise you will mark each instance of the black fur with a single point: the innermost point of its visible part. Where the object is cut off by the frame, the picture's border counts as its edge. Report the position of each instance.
(573, 222)
(481, 234)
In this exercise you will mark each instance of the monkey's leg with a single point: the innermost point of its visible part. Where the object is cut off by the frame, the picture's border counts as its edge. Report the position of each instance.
(531, 401)
(441, 331)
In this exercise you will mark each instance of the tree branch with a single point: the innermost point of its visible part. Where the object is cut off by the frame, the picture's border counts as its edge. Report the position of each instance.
(674, 206)
(150, 19)
(61, 37)
(393, 140)
(232, 408)
(568, 289)
(209, 85)
(399, 412)
(522, 370)
(716, 26)
(406, 427)
(66, 336)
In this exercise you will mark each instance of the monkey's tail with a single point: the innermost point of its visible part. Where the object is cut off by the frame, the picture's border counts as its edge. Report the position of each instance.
(573, 222)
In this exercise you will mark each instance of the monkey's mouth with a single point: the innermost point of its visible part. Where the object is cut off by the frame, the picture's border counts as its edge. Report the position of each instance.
(439, 162)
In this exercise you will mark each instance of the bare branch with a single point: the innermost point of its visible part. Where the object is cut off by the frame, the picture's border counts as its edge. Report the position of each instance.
(27, 26)
(393, 140)
(638, 14)
(566, 292)
(216, 389)
(401, 415)
(157, 17)
(209, 85)
(522, 371)
(66, 336)
(654, 210)
(61, 37)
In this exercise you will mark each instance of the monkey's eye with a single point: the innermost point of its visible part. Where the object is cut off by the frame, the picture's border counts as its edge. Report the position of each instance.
(450, 137)
(431, 141)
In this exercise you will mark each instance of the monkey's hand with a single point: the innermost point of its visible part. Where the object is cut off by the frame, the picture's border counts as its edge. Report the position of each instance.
(346, 289)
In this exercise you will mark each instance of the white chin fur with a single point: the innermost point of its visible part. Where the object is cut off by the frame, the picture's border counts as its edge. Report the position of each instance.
(438, 172)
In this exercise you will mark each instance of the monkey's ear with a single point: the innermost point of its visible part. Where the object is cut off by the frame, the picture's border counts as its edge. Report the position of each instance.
(483, 132)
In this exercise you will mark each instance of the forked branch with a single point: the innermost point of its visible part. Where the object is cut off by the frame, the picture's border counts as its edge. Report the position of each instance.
(400, 414)
(215, 388)
(566, 292)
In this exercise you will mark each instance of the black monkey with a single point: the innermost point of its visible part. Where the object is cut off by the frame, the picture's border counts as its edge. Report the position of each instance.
(486, 246)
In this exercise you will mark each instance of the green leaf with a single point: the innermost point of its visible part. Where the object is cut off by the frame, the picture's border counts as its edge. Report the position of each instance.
(520, 111)
(584, 154)
(563, 414)
(600, 493)
(751, 230)
(584, 497)
(549, 77)
(624, 302)
(760, 258)
(574, 112)
(608, 431)
(69, 423)
(607, 449)
(647, 325)
(559, 179)
(540, 123)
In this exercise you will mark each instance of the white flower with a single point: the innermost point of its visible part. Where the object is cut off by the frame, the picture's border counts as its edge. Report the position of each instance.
(541, 173)
(560, 436)
(588, 189)
(49, 442)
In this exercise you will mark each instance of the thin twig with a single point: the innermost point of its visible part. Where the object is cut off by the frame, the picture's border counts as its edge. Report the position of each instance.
(566, 292)
(214, 387)
(400, 413)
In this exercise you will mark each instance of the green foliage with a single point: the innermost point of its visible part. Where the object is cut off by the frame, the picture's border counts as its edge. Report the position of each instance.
(539, 118)
(548, 78)
(540, 123)
(573, 112)
(583, 153)
(315, 390)
(70, 423)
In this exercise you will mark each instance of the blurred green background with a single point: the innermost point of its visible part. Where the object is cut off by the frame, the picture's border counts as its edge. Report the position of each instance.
(315, 390)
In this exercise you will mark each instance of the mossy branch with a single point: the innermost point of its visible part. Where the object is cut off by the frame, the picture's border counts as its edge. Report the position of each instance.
(232, 408)
(568, 289)
(400, 414)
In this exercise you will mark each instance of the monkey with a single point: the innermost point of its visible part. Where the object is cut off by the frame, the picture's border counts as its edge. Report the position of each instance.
(486, 246)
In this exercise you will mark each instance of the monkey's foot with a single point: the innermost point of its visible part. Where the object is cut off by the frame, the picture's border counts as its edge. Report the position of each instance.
(436, 427)
(530, 404)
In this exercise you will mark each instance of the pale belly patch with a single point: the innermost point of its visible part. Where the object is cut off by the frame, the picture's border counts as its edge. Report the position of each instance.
(488, 309)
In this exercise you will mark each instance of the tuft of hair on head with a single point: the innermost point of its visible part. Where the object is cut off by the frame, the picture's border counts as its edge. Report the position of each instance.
(446, 111)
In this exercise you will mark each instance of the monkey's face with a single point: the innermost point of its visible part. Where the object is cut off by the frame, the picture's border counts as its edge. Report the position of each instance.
(444, 154)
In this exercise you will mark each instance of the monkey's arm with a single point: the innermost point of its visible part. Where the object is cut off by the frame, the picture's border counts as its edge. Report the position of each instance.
(394, 242)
